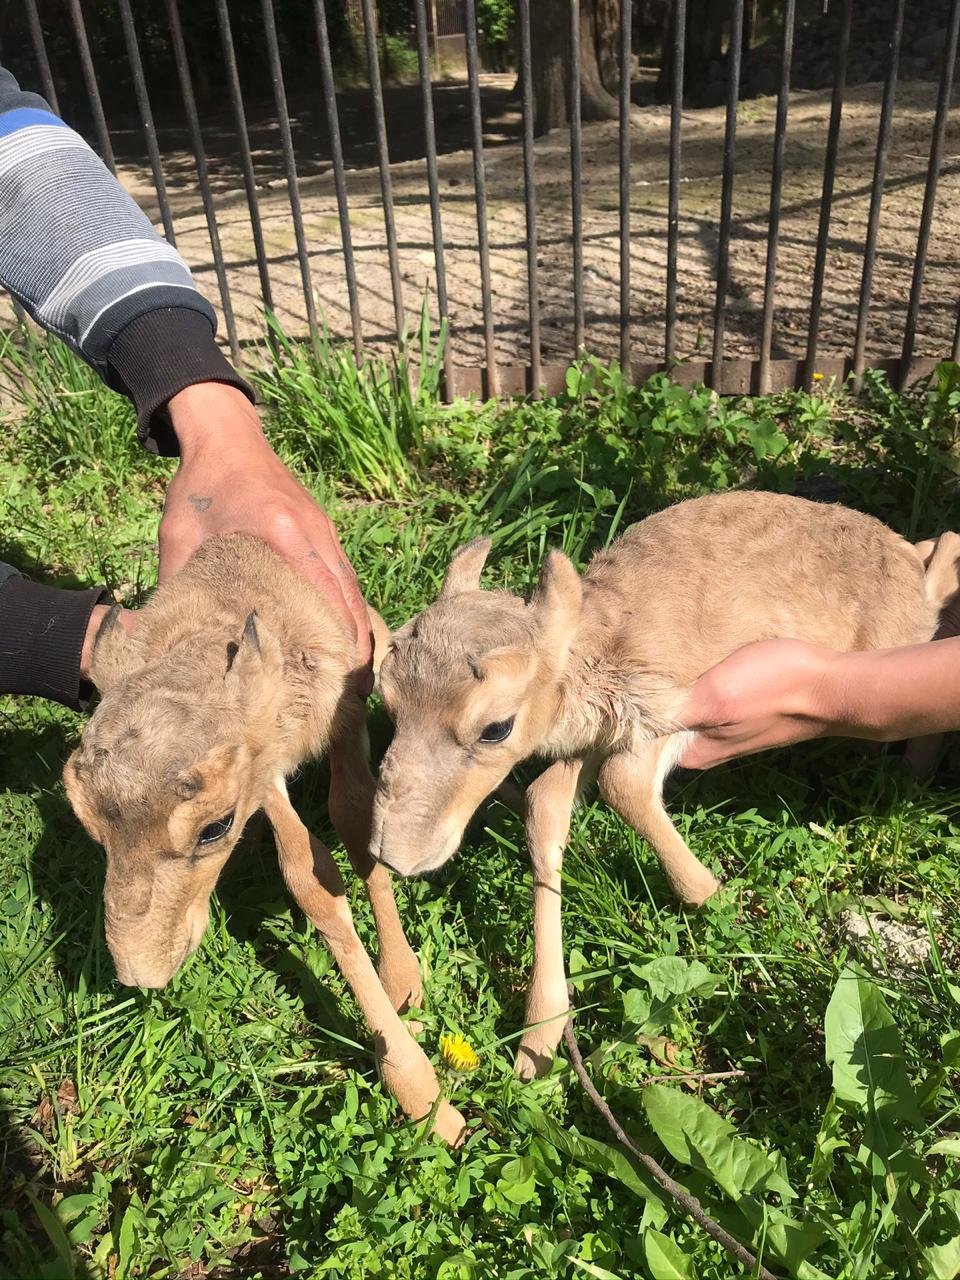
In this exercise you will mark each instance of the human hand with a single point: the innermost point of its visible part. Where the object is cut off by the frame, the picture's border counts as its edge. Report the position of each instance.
(767, 694)
(230, 481)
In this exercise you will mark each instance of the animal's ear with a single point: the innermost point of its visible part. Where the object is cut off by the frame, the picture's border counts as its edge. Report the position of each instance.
(254, 657)
(76, 794)
(114, 653)
(557, 602)
(463, 573)
(381, 638)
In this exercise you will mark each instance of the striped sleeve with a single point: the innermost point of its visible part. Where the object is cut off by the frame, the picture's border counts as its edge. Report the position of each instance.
(84, 261)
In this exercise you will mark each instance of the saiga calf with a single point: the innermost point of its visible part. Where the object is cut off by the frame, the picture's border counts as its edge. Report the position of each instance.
(237, 673)
(591, 674)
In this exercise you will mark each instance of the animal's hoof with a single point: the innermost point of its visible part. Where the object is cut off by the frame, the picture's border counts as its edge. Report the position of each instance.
(449, 1125)
(534, 1058)
(695, 890)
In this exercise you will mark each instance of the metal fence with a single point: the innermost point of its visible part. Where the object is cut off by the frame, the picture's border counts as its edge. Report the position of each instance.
(572, 328)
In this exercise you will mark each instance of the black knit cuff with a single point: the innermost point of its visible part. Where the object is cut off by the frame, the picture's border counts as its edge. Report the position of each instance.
(41, 640)
(158, 354)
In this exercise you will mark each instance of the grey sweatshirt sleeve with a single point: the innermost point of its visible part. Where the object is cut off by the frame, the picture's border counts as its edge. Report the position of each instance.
(86, 264)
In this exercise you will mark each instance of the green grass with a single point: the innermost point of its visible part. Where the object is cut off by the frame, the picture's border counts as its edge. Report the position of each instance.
(233, 1125)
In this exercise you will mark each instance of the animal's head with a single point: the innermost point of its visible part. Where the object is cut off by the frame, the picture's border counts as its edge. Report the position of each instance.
(171, 765)
(472, 685)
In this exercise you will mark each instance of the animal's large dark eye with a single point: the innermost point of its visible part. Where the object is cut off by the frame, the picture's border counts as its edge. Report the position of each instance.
(498, 731)
(216, 830)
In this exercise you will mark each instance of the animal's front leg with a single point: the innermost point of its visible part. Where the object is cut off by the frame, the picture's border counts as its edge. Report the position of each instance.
(631, 782)
(312, 877)
(351, 807)
(549, 803)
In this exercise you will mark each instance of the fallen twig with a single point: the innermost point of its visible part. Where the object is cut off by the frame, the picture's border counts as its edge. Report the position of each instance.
(676, 1076)
(689, 1204)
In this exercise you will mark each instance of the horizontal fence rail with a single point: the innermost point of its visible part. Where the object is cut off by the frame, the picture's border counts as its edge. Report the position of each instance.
(700, 239)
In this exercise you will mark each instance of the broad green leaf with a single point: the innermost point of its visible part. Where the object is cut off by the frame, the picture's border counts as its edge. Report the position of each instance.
(696, 1135)
(826, 1143)
(594, 1269)
(665, 1258)
(673, 976)
(601, 1158)
(946, 1147)
(785, 1236)
(943, 1258)
(864, 1049)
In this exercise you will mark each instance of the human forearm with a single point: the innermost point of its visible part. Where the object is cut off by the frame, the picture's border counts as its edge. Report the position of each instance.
(85, 262)
(891, 694)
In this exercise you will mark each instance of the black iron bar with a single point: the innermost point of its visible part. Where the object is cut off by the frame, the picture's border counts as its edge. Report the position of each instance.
(146, 118)
(246, 157)
(876, 194)
(433, 184)
(726, 198)
(826, 197)
(530, 196)
(576, 178)
(289, 162)
(40, 53)
(626, 14)
(776, 191)
(203, 178)
(383, 160)
(480, 196)
(930, 191)
(339, 176)
(93, 89)
(673, 198)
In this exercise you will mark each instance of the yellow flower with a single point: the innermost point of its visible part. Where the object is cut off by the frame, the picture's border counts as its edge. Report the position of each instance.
(458, 1052)
(818, 377)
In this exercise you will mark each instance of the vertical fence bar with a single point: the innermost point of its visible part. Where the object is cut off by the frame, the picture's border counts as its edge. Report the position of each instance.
(776, 191)
(876, 194)
(530, 196)
(726, 198)
(480, 194)
(826, 196)
(203, 179)
(40, 53)
(93, 89)
(955, 351)
(576, 178)
(146, 118)
(626, 14)
(383, 159)
(339, 177)
(673, 198)
(930, 191)
(289, 161)
(433, 185)
(246, 158)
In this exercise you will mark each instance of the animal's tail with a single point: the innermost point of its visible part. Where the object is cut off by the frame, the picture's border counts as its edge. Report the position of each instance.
(941, 558)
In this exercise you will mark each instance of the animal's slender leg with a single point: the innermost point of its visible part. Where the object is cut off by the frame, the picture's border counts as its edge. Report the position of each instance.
(312, 877)
(351, 807)
(632, 784)
(549, 803)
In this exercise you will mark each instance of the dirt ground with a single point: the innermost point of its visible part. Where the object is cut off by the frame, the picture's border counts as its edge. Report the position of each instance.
(699, 218)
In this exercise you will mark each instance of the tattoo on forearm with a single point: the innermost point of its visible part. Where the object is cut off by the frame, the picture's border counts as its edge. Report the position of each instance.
(199, 504)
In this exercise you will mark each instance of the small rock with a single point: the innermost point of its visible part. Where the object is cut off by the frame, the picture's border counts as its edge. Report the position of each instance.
(905, 945)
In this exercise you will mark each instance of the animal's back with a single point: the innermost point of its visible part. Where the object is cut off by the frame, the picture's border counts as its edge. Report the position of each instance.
(698, 580)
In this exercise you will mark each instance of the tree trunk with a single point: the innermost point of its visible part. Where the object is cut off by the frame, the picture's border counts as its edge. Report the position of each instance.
(704, 45)
(550, 49)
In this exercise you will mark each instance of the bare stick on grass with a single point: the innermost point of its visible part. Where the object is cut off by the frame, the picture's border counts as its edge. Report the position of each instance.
(689, 1204)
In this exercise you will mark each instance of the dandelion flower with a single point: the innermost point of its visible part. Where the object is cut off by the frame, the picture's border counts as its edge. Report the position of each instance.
(458, 1052)
(818, 377)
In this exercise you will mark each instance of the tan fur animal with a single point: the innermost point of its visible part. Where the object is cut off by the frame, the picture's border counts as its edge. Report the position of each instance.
(592, 671)
(237, 672)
